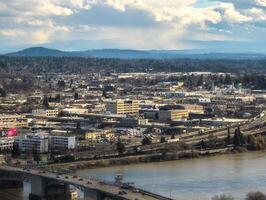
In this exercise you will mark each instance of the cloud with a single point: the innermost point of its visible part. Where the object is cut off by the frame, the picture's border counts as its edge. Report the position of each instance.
(131, 23)
(11, 32)
(260, 2)
(232, 15)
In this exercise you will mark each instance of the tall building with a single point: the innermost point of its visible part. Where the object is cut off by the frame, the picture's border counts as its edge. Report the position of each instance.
(37, 142)
(123, 107)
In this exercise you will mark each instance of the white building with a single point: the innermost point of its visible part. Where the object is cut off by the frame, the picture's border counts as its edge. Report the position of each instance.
(62, 142)
(6, 144)
(45, 113)
(32, 142)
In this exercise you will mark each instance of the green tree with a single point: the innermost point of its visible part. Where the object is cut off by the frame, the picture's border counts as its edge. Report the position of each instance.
(15, 151)
(146, 141)
(45, 102)
(162, 140)
(173, 136)
(78, 128)
(36, 155)
(57, 98)
(239, 139)
(2, 92)
(71, 83)
(228, 138)
(76, 96)
(202, 144)
(120, 147)
(61, 84)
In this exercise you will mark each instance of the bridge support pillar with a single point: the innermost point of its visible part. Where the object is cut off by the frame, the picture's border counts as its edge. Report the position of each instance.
(37, 188)
(57, 192)
(92, 195)
(43, 189)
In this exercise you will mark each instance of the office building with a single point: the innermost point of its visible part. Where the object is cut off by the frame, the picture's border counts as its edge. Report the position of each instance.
(62, 142)
(123, 107)
(172, 112)
(33, 142)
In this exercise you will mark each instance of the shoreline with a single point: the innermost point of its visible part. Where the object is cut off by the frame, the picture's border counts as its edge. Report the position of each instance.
(150, 158)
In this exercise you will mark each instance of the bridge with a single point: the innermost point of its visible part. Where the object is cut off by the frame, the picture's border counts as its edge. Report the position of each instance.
(253, 126)
(46, 185)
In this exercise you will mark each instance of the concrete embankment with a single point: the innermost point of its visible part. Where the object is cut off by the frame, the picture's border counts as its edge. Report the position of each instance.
(126, 160)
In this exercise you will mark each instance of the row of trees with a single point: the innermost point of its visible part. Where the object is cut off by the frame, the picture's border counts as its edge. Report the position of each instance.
(250, 142)
(80, 65)
(250, 196)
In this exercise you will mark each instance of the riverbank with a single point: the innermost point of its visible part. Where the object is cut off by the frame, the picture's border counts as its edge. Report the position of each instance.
(135, 159)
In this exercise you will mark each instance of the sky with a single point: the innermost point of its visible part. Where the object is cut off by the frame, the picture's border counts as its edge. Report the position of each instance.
(215, 25)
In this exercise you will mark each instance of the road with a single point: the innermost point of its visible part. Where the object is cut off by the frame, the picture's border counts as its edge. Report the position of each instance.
(90, 183)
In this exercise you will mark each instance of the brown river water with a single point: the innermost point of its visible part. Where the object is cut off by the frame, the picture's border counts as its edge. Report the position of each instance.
(193, 179)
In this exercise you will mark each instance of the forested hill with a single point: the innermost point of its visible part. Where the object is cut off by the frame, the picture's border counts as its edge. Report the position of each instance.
(75, 65)
(134, 54)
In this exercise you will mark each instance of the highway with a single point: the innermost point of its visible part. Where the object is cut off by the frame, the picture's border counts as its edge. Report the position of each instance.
(251, 127)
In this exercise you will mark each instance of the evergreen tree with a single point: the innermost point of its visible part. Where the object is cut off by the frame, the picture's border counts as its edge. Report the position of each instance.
(57, 98)
(45, 102)
(78, 128)
(228, 138)
(162, 140)
(173, 136)
(36, 155)
(146, 141)
(239, 139)
(120, 147)
(202, 144)
(15, 151)
(76, 96)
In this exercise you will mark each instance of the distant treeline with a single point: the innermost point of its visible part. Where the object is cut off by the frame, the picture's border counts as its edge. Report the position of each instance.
(81, 65)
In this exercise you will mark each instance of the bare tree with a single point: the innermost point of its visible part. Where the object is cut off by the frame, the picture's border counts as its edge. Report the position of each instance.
(255, 196)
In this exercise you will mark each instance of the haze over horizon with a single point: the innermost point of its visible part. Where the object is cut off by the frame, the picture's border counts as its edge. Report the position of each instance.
(235, 26)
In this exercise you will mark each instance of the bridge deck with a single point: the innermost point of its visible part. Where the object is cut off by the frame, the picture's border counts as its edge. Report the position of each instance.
(97, 185)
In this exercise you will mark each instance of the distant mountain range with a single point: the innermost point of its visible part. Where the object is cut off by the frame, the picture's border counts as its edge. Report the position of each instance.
(133, 54)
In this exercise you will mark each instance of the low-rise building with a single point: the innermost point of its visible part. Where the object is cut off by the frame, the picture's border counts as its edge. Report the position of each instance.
(172, 113)
(123, 107)
(133, 122)
(194, 108)
(33, 142)
(45, 113)
(62, 142)
(6, 144)
(13, 121)
(97, 135)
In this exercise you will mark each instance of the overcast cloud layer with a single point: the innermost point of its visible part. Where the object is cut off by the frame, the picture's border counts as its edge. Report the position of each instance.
(134, 24)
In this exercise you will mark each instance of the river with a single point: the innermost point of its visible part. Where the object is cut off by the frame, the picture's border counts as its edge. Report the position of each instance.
(195, 179)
